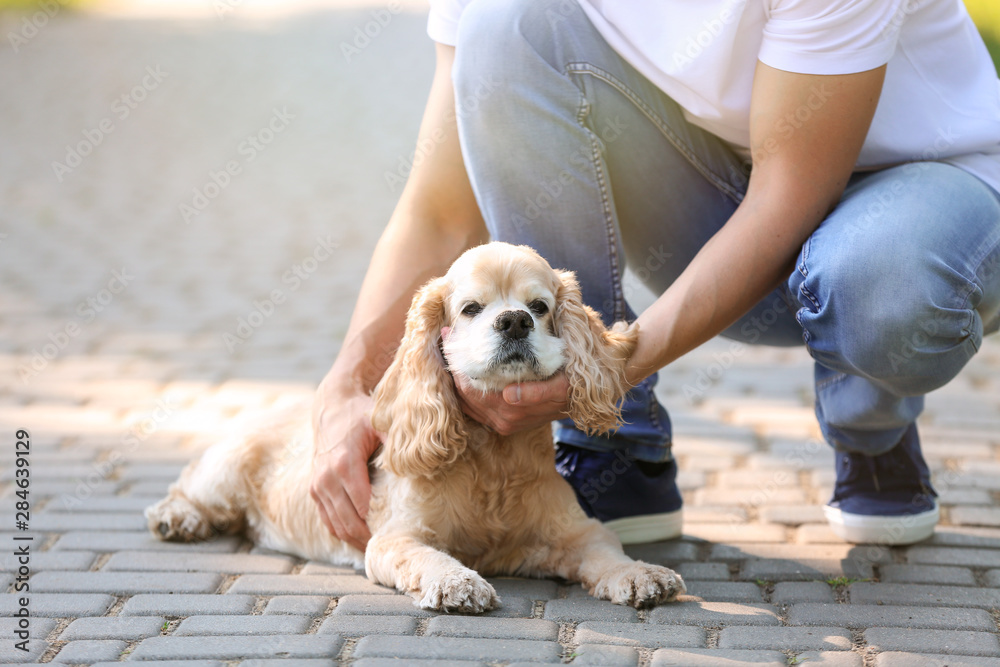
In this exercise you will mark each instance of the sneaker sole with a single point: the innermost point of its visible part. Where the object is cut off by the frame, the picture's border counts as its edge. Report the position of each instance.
(885, 530)
(648, 527)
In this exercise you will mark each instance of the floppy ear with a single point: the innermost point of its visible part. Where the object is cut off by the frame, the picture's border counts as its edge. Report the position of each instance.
(595, 359)
(415, 403)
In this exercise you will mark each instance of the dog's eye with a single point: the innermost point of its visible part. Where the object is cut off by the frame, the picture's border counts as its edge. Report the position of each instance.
(472, 309)
(538, 307)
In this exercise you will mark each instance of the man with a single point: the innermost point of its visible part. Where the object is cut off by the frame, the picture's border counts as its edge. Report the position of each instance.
(828, 166)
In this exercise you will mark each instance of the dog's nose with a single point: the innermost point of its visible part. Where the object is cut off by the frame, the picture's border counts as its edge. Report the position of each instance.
(514, 324)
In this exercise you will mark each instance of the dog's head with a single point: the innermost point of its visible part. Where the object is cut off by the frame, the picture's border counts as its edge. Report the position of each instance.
(510, 318)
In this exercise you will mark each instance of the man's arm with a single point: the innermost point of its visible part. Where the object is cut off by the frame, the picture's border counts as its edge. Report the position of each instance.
(799, 174)
(435, 220)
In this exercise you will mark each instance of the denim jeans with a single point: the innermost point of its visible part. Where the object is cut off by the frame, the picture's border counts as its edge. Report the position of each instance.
(579, 156)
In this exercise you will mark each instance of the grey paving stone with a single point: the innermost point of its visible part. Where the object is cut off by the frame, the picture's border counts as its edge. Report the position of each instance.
(717, 658)
(611, 656)
(532, 589)
(105, 521)
(233, 625)
(953, 556)
(867, 616)
(103, 504)
(311, 584)
(455, 648)
(52, 560)
(770, 569)
(152, 487)
(703, 572)
(974, 515)
(725, 533)
(123, 541)
(144, 561)
(393, 662)
(87, 651)
(782, 639)
(56, 605)
(357, 626)
(125, 583)
(312, 567)
(926, 574)
(992, 578)
(37, 631)
(663, 553)
(9, 654)
(830, 659)
(144, 471)
(714, 614)
(186, 605)
(493, 628)
(787, 592)
(640, 635)
(380, 605)
(725, 591)
(919, 594)
(804, 552)
(404, 605)
(113, 627)
(228, 648)
(952, 642)
(964, 536)
(168, 663)
(792, 515)
(308, 662)
(298, 605)
(907, 659)
(588, 609)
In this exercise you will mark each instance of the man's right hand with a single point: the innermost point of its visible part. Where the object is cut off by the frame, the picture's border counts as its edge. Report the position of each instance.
(344, 441)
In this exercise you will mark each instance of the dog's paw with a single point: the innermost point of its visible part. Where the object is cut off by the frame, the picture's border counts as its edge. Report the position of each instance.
(459, 591)
(175, 519)
(639, 585)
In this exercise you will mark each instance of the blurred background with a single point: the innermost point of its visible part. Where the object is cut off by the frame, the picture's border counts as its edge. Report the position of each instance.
(190, 191)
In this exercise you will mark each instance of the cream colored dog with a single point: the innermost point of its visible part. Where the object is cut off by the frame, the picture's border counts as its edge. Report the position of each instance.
(451, 499)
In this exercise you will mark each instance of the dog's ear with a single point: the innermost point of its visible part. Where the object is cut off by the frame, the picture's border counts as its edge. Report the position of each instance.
(415, 403)
(595, 359)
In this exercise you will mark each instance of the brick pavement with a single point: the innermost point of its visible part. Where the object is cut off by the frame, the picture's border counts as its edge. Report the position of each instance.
(123, 352)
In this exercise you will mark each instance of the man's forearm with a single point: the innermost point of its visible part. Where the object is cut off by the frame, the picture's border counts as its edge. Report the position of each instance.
(738, 267)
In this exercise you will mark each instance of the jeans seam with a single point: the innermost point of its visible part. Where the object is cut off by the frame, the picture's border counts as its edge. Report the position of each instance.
(610, 228)
(718, 181)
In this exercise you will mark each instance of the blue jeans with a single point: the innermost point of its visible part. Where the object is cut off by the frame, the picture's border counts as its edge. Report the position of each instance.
(573, 152)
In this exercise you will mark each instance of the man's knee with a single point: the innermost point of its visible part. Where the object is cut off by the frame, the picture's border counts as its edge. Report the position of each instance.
(910, 336)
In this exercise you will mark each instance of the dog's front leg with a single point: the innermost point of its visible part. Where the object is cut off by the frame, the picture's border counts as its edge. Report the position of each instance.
(431, 577)
(594, 557)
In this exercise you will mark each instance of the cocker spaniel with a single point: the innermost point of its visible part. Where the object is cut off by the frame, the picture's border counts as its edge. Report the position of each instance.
(451, 499)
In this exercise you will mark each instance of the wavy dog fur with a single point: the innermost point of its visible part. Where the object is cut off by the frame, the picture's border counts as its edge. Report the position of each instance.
(451, 499)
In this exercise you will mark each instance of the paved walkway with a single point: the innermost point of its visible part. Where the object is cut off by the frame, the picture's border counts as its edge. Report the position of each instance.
(193, 256)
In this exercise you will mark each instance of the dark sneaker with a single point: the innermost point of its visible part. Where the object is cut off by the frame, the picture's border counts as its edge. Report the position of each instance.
(884, 499)
(638, 500)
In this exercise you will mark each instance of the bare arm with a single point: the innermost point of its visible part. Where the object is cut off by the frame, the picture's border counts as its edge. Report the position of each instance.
(435, 220)
(798, 177)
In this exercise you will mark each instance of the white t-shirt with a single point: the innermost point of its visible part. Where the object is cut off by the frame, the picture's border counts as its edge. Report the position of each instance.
(940, 101)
